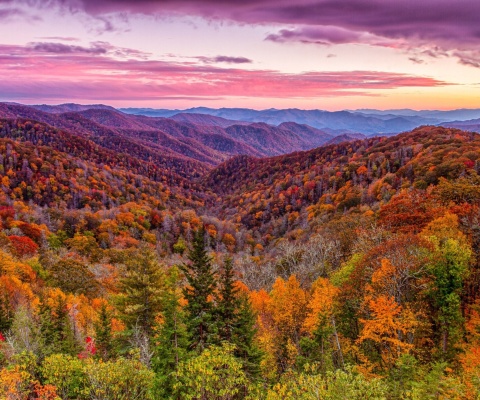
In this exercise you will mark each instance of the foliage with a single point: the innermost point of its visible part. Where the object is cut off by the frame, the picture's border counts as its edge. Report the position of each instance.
(214, 374)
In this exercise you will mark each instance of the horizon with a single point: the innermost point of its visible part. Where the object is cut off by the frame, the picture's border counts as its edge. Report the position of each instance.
(119, 108)
(328, 55)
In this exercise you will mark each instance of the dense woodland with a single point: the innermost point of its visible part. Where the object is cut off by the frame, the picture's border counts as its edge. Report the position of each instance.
(350, 271)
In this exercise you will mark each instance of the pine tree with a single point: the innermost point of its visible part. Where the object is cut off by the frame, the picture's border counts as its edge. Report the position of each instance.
(243, 337)
(6, 313)
(103, 333)
(56, 329)
(199, 294)
(48, 330)
(227, 302)
(142, 289)
(171, 342)
(236, 320)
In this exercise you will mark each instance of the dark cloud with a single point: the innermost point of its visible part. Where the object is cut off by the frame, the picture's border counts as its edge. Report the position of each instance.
(471, 58)
(95, 48)
(8, 13)
(326, 35)
(416, 60)
(450, 25)
(225, 59)
(14, 14)
(60, 48)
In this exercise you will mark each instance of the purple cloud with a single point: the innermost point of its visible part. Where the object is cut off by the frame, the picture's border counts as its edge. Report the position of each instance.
(407, 24)
(8, 13)
(96, 48)
(61, 38)
(60, 48)
(326, 35)
(224, 59)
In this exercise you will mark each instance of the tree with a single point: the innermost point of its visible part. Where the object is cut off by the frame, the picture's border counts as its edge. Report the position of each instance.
(199, 295)
(236, 319)
(389, 326)
(120, 379)
(320, 325)
(448, 267)
(72, 276)
(67, 374)
(214, 374)
(243, 337)
(227, 302)
(142, 289)
(288, 308)
(334, 385)
(103, 332)
(56, 330)
(6, 313)
(170, 340)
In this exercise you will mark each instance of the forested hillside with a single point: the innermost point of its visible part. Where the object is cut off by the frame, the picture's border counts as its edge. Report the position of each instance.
(350, 271)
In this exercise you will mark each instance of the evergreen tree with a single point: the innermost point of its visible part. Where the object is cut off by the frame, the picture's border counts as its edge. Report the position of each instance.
(227, 302)
(48, 330)
(171, 342)
(103, 333)
(56, 329)
(199, 294)
(142, 288)
(236, 320)
(243, 337)
(6, 314)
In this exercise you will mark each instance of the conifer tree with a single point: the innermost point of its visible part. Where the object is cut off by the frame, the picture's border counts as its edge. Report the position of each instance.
(227, 302)
(199, 294)
(243, 337)
(56, 329)
(236, 320)
(171, 342)
(142, 288)
(103, 333)
(6, 314)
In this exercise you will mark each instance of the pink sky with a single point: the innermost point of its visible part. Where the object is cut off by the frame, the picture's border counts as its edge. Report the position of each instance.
(327, 54)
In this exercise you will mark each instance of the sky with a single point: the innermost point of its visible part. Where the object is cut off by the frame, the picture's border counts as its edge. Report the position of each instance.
(308, 54)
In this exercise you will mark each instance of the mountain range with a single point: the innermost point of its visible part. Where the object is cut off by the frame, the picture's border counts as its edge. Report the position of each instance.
(365, 121)
(177, 148)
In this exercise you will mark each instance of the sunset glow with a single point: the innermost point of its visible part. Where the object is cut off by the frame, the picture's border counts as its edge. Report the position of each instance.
(259, 54)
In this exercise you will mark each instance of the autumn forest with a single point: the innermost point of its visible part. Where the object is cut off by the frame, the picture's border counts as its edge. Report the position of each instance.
(140, 259)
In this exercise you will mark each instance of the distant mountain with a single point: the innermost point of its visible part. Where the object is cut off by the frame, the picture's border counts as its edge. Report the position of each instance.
(472, 125)
(346, 137)
(151, 112)
(187, 145)
(206, 119)
(462, 114)
(344, 121)
(367, 121)
(69, 107)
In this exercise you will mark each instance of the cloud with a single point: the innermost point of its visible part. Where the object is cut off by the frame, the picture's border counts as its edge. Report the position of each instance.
(30, 72)
(470, 58)
(224, 59)
(95, 48)
(9, 13)
(15, 14)
(416, 60)
(60, 48)
(61, 38)
(407, 24)
(328, 35)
